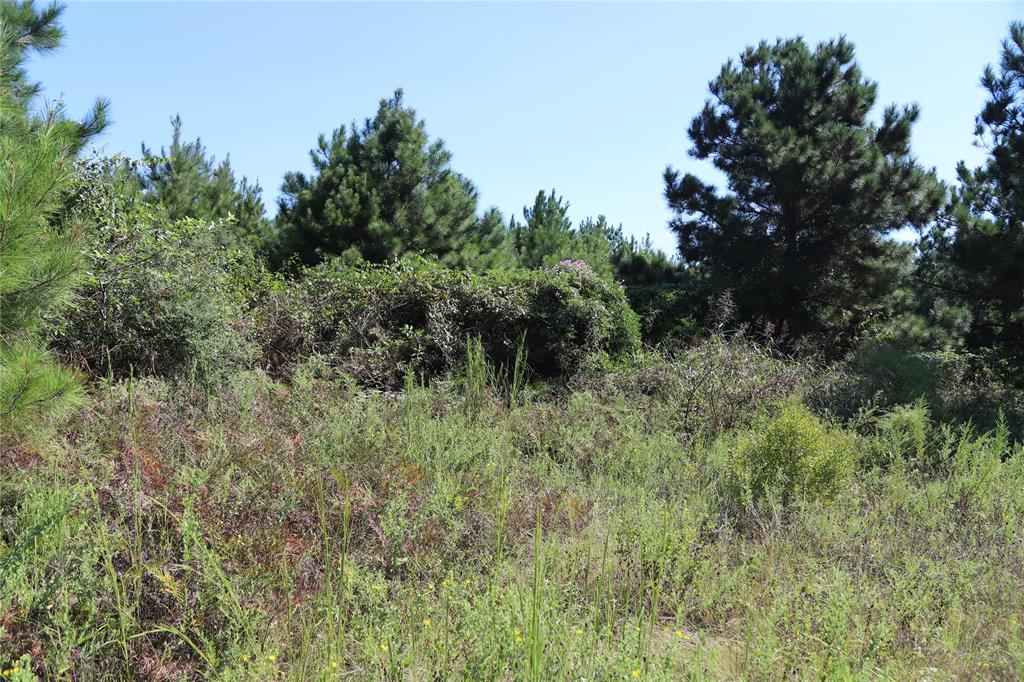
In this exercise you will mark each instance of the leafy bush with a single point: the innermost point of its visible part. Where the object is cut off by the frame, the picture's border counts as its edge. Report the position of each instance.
(792, 454)
(379, 322)
(158, 297)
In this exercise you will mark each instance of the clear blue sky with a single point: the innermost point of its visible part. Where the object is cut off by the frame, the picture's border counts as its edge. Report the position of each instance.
(592, 99)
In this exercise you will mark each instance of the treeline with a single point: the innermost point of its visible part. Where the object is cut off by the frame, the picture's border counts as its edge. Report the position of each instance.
(383, 259)
(800, 238)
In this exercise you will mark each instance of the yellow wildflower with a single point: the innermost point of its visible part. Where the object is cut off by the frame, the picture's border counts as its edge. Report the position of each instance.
(679, 634)
(636, 672)
(426, 621)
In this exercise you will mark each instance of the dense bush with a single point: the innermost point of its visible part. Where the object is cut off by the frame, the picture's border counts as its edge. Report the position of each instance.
(378, 323)
(710, 387)
(158, 297)
(792, 454)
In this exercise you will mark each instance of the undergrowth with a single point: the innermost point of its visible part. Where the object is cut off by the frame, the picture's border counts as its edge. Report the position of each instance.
(486, 529)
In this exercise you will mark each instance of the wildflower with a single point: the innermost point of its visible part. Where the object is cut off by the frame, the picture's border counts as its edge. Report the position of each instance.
(271, 658)
(245, 658)
(378, 586)
(430, 586)
(426, 621)
(636, 672)
(578, 631)
(384, 647)
(679, 634)
(468, 581)
(334, 665)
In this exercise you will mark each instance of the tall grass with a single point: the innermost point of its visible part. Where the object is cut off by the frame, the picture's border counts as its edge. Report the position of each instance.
(481, 530)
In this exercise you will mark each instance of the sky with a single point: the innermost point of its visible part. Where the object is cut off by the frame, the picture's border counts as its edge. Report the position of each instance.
(591, 99)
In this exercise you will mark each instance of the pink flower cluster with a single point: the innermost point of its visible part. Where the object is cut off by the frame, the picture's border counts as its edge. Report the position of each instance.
(576, 265)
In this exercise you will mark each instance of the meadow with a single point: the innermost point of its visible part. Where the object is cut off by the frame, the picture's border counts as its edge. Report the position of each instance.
(700, 516)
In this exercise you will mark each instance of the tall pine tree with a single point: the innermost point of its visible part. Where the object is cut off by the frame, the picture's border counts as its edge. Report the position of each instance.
(38, 255)
(980, 263)
(813, 187)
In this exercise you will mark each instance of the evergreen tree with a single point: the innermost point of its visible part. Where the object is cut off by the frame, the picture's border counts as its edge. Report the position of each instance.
(187, 183)
(814, 187)
(980, 263)
(382, 191)
(24, 30)
(546, 236)
(38, 256)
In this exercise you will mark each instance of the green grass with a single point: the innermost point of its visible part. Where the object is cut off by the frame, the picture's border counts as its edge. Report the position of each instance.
(487, 530)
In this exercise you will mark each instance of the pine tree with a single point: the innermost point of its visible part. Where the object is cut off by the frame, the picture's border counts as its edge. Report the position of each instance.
(382, 191)
(187, 183)
(24, 30)
(38, 257)
(546, 235)
(814, 187)
(981, 262)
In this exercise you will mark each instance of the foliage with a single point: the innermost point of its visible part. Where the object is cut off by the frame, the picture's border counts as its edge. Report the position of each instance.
(257, 531)
(158, 296)
(186, 183)
(380, 192)
(25, 30)
(977, 264)
(380, 322)
(668, 313)
(547, 237)
(958, 387)
(638, 263)
(38, 256)
(792, 455)
(814, 187)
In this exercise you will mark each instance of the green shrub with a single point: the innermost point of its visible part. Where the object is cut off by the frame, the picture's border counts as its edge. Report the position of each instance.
(158, 297)
(711, 387)
(380, 322)
(903, 434)
(792, 454)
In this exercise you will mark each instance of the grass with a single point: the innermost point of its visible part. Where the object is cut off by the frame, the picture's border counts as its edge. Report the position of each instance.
(484, 529)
